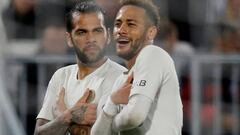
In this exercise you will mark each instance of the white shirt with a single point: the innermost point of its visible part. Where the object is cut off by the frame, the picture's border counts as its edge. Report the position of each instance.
(101, 81)
(155, 106)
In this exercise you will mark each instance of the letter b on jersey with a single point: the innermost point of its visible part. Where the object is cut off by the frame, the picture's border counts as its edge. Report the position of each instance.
(142, 83)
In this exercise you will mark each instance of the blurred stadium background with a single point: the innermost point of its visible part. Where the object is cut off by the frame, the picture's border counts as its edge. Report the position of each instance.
(202, 36)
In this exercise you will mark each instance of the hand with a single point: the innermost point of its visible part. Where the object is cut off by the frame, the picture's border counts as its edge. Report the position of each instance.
(121, 96)
(84, 113)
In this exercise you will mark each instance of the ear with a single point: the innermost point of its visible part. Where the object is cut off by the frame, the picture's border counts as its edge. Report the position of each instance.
(69, 40)
(152, 32)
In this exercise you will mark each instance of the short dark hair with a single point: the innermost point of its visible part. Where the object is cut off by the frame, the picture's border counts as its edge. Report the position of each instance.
(87, 6)
(151, 10)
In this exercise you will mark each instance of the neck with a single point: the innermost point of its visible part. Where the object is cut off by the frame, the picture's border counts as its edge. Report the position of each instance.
(87, 69)
(131, 62)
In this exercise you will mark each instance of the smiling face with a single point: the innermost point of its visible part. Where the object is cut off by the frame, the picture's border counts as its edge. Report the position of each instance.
(131, 31)
(88, 37)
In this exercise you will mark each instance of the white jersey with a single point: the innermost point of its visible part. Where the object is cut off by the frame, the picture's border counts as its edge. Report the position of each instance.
(155, 81)
(155, 77)
(100, 81)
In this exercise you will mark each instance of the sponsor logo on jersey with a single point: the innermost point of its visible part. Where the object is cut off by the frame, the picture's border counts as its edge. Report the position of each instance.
(140, 83)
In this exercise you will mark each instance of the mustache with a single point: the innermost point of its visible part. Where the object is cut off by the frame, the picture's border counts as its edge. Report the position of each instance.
(91, 45)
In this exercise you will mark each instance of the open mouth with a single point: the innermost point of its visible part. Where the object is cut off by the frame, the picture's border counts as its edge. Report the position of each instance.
(123, 41)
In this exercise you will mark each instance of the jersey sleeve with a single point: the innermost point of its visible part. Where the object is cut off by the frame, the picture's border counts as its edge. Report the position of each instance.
(150, 71)
(49, 99)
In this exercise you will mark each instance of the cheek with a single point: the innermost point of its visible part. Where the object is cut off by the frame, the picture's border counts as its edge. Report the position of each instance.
(102, 41)
(79, 40)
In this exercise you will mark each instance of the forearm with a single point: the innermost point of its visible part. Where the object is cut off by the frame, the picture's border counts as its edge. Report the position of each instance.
(103, 125)
(57, 126)
(133, 114)
(52, 128)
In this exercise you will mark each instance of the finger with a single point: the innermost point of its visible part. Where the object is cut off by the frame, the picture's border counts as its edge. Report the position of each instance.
(91, 96)
(130, 78)
(90, 119)
(92, 106)
(62, 94)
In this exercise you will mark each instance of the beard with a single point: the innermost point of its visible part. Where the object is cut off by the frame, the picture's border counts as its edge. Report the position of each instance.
(88, 58)
(135, 47)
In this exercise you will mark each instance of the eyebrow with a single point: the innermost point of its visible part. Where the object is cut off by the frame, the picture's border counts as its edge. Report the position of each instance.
(131, 20)
(85, 30)
(97, 28)
(128, 20)
(80, 29)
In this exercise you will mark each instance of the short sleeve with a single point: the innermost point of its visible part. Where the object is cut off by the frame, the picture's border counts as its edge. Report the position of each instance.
(49, 99)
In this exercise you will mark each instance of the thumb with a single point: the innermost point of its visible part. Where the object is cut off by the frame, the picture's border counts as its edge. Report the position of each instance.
(85, 96)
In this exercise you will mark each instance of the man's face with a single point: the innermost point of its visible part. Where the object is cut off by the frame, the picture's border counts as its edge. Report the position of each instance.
(89, 37)
(130, 30)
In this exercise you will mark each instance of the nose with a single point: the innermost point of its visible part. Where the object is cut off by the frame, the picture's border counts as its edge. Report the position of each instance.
(90, 37)
(122, 29)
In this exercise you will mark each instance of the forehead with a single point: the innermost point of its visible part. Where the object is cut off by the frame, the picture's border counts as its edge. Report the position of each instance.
(130, 12)
(92, 19)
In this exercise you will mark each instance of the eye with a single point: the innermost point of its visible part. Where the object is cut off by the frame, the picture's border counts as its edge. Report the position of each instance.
(99, 30)
(131, 24)
(80, 32)
(117, 24)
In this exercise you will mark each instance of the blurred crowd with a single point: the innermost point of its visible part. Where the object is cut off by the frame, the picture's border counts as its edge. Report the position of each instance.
(187, 28)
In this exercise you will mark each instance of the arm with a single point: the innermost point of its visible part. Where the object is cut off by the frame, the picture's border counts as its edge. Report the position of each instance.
(130, 117)
(133, 114)
(104, 121)
(111, 121)
(58, 126)
(82, 113)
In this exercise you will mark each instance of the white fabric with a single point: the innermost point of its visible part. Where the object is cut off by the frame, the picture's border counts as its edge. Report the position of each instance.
(101, 81)
(110, 108)
(155, 79)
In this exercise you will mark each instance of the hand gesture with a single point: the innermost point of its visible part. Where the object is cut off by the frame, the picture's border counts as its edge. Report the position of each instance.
(121, 95)
(84, 113)
(59, 107)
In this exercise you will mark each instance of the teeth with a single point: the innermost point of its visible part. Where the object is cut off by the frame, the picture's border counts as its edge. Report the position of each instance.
(123, 40)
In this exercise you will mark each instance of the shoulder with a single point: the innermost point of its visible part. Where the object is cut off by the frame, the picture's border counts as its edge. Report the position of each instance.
(153, 53)
(112, 72)
(115, 67)
(153, 50)
(66, 70)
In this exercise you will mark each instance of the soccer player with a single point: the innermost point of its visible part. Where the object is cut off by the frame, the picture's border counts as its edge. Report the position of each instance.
(91, 78)
(146, 101)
